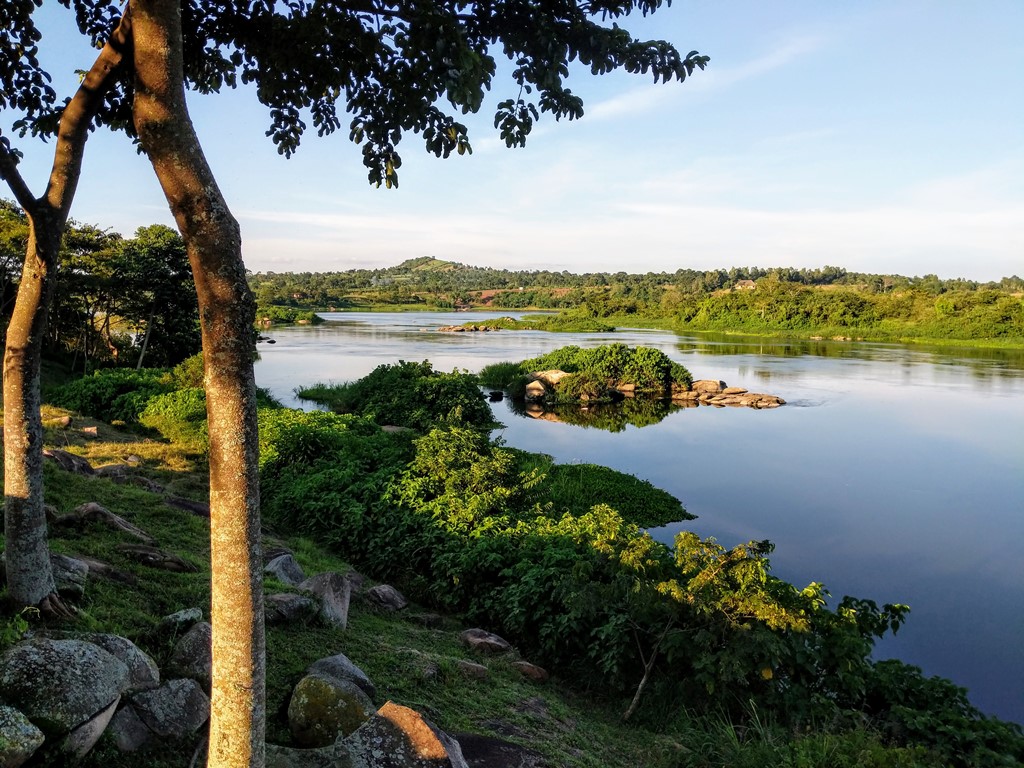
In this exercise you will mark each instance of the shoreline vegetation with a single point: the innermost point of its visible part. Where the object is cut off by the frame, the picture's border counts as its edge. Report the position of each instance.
(693, 655)
(827, 304)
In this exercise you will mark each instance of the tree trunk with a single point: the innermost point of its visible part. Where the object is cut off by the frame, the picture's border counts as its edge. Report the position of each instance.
(145, 340)
(227, 312)
(29, 575)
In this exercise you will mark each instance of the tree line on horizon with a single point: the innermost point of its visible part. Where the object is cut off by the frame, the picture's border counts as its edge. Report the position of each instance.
(828, 300)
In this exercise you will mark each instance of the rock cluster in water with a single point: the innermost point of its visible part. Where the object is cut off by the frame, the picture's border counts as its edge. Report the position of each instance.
(468, 328)
(543, 384)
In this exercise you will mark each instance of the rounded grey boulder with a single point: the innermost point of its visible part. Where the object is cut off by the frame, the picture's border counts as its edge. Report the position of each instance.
(59, 684)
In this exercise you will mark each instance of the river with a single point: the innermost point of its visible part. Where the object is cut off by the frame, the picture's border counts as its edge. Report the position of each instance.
(894, 473)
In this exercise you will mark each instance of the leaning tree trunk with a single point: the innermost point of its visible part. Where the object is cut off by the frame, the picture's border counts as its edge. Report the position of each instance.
(227, 312)
(29, 575)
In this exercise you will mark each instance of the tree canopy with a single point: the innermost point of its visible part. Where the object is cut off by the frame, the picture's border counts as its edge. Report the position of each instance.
(394, 66)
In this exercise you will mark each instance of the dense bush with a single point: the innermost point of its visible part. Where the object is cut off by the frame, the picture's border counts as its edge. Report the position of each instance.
(410, 395)
(324, 473)
(284, 315)
(112, 394)
(575, 488)
(179, 416)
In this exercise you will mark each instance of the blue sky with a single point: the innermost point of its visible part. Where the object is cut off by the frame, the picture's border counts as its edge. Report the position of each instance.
(877, 136)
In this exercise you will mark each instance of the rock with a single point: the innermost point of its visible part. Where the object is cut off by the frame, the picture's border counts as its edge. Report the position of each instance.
(356, 580)
(106, 571)
(531, 671)
(92, 512)
(69, 461)
(685, 395)
(157, 558)
(396, 430)
(334, 593)
(197, 508)
(496, 396)
(472, 670)
(84, 737)
(399, 737)
(340, 667)
(287, 608)
(114, 470)
(323, 708)
(175, 709)
(19, 739)
(708, 386)
(287, 757)
(143, 673)
(273, 549)
(387, 597)
(69, 575)
(59, 684)
(430, 670)
(489, 752)
(128, 731)
(133, 459)
(535, 390)
(178, 622)
(734, 391)
(483, 641)
(192, 656)
(92, 433)
(285, 569)
(550, 378)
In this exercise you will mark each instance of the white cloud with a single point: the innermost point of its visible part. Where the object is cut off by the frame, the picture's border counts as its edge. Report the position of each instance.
(649, 97)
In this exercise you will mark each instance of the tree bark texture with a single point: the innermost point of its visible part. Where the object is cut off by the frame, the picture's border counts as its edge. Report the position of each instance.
(227, 312)
(29, 575)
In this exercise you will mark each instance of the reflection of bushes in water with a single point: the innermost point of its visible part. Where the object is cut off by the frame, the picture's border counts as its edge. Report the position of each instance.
(612, 417)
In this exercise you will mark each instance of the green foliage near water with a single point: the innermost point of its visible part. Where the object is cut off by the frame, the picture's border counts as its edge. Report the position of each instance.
(574, 487)
(272, 314)
(540, 553)
(472, 527)
(740, 666)
(407, 394)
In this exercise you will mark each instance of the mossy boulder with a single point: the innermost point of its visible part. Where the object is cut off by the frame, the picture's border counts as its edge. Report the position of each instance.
(59, 684)
(322, 708)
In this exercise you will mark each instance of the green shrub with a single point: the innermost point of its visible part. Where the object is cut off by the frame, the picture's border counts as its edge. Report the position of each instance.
(180, 417)
(114, 394)
(188, 374)
(576, 488)
(410, 395)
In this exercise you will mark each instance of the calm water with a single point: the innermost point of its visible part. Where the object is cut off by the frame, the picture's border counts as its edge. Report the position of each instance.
(894, 473)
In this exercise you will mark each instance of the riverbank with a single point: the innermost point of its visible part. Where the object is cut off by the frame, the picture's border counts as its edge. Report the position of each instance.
(665, 733)
(538, 318)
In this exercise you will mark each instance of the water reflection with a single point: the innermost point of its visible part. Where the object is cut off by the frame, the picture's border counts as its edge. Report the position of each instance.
(611, 417)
